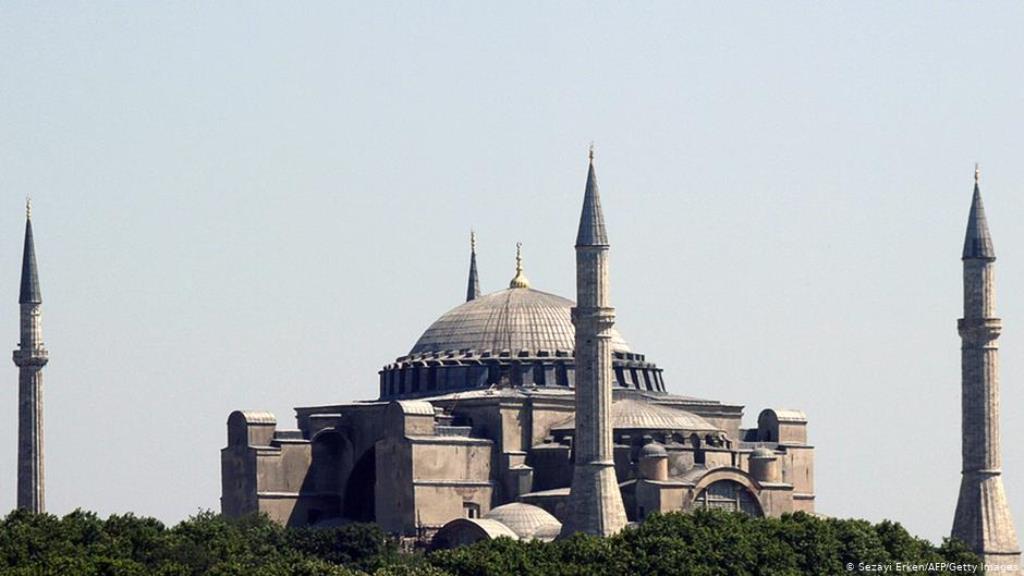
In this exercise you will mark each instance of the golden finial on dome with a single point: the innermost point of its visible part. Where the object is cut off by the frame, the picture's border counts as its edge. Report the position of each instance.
(520, 281)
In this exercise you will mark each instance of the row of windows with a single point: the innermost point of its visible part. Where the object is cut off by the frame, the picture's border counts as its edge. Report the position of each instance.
(414, 380)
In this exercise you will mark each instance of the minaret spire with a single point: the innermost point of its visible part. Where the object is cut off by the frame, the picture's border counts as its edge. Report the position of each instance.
(473, 286)
(591, 231)
(30, 357)
(29, 274)
(982, 518)
(978, 241)
(595, 501)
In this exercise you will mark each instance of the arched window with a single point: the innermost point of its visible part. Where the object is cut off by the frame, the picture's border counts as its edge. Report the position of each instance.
(729, 495)
(698, 452)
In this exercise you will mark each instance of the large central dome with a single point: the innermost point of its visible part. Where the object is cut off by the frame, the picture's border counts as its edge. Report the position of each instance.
(515, 319)
(519, 337)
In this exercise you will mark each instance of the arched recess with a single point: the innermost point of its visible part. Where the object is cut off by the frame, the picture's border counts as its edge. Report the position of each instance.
(359, 491)
(331, 467)
(729, 489)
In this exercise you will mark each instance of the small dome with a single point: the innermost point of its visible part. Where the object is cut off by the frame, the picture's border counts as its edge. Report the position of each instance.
(467, 531)
(762, 452)
(637, 415)
(653, 450)
(526, 520)
(514, 319)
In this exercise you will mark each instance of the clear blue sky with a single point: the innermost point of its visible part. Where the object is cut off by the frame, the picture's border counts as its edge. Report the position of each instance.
(257, 205)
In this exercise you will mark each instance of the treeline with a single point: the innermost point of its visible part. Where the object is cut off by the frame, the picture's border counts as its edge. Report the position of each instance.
(701, 544)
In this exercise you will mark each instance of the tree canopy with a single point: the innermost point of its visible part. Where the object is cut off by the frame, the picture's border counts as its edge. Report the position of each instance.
(705, 543)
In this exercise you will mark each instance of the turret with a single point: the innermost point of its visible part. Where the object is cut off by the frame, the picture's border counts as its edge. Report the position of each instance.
(30, 357)
(982, 517)
(595, 502)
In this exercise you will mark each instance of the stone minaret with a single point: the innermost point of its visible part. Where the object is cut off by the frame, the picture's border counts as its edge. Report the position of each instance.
(473, 286)
(30, 358)
(982, 518)
(595, 503)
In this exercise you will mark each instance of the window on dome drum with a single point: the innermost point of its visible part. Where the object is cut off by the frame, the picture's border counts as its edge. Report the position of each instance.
(538, 375)
(471, 509)
(729, 495)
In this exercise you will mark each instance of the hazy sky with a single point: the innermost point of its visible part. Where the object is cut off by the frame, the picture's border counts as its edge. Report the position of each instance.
(258, 205)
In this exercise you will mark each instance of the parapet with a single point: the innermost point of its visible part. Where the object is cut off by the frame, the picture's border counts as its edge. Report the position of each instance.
(251, 428)
(410, 417)
(782, 426)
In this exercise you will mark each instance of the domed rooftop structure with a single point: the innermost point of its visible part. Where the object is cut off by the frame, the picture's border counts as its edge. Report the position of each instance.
(653, 450)
(514, 319)
(526, 520)
(629, 414)
(466, 531)
(514, 337)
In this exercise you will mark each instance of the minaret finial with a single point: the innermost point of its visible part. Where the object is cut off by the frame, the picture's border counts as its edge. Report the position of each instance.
(472, 241)
(977, 172)
(28, 207)
(591, 153)
(520, 281)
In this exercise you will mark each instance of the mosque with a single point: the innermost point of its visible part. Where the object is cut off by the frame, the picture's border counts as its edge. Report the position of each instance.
(523, 414)
(526, 415)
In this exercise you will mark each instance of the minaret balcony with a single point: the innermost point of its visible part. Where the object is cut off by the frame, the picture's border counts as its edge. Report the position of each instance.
(979, 330)
(37, 356)
(598, 314)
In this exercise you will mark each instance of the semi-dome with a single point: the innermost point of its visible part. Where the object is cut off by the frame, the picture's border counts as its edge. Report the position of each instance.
(630, 414)
(515, 319)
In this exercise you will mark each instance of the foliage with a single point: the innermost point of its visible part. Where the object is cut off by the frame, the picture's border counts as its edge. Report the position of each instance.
(700, 544)
(206, 544)
(710, 543)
